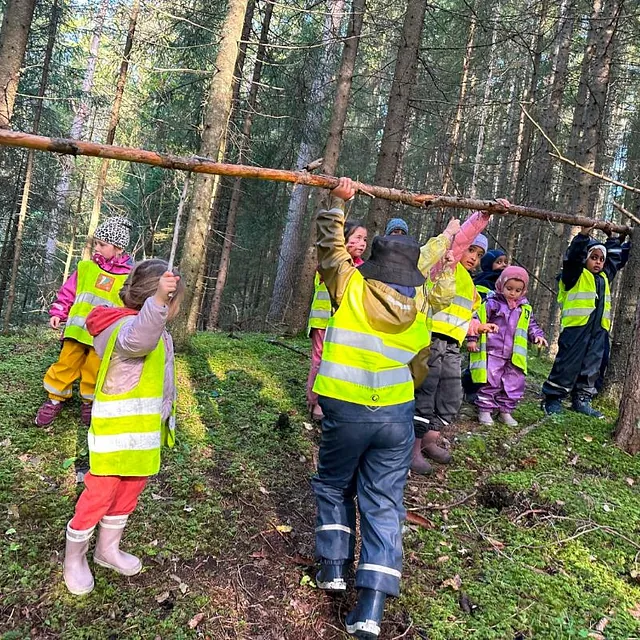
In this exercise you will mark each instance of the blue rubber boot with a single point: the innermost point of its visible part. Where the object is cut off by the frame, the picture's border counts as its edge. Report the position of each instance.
(582, 404)
(552, 407)
(364, 621)
(332, 577)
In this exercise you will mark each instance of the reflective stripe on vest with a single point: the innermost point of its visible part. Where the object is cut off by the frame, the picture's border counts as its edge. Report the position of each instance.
(95, 287)
(454, 320)
(579, 302)
(320, 307)
(126, 431)
(478, 359)
(363, 365)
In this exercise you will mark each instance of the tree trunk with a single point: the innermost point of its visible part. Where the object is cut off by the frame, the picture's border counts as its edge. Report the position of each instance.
(114, 118)
(627, 434)
(299, 310)
(77, 132)
(287, 271)
(215, 121)
(16, 23)
(403, 81)
(22, 216)
(236, 193)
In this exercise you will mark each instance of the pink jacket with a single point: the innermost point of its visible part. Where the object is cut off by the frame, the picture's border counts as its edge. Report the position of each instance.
(67, 293)
(475, 224)
(138, 337)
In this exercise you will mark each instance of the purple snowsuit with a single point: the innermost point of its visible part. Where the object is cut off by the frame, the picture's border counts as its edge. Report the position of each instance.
(505, 382)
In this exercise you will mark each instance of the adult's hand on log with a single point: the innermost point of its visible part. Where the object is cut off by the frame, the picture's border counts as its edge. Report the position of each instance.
(345, 190)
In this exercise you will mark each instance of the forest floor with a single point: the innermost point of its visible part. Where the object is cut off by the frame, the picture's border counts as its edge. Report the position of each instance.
(532, 532)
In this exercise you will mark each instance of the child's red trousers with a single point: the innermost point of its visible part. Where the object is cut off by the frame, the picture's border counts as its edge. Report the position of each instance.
(106, 496)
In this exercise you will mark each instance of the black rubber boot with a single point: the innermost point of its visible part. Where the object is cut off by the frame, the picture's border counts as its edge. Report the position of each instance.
(332, 577)
(364, 621)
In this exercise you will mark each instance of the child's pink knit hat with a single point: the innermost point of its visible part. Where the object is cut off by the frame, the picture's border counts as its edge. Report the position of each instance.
(513, 273)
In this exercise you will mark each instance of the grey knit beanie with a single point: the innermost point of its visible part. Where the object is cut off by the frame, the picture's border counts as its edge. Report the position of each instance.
(115, 231)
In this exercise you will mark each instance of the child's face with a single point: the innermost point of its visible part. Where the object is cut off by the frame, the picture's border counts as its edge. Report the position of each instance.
(106, 250)
(397, 232)
(513, 289)
(500, 264)
(357, 242)
(471, 257)
(595, 262)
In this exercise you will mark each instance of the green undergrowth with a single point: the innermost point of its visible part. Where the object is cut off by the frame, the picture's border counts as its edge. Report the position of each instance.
(529, 533)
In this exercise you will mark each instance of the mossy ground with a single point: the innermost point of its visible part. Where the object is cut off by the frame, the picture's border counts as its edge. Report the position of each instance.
(533, 533)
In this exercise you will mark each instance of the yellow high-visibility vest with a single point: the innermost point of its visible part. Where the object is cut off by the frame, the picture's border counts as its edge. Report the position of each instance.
(454, 320)
(478, 359)
(363, 365)
(127, 430)
(320, 307)
(95, 288)
(579, 302)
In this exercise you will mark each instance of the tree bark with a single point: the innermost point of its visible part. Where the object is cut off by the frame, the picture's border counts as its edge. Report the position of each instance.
(77, 132)
(215, 121)
(287, 270)
(24, 203)
(403, 80)
(236, 193)
(16, 23)
(114, 118)
(299, 310)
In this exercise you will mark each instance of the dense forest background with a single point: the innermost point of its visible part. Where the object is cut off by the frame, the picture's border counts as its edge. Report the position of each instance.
(430, 97)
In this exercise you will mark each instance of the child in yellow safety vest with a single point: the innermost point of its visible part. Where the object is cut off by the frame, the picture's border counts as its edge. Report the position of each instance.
(133, 416)
(585, 298)
(355, 236)
(375, 352)
(95, 282)
(498, 359)
(439, 398)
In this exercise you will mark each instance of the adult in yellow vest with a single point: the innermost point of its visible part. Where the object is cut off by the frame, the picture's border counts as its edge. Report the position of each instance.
(585, 299)
(374, 354)
(355, 236)
(96, 282)
(133, 416)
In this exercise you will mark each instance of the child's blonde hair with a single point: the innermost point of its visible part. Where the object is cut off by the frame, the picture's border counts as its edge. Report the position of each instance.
(143, 282)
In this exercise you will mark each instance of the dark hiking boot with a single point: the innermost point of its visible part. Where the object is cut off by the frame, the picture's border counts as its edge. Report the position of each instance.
(332, 577)
(582, 404)
(47, 413)
(552, 407)
(418, 464)
(85, 413)
(364, 621)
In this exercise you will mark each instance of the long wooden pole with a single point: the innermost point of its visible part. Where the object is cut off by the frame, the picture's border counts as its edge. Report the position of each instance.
(205, 165)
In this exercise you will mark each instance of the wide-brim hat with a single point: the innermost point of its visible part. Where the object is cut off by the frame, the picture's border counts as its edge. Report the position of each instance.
(394, 259)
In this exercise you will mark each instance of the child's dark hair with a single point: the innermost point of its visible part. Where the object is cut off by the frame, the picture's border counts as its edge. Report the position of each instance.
(143, 282)
(350, 226)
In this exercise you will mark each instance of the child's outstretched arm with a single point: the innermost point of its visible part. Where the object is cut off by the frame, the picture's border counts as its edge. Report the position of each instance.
(443, 291)
(617, 257)
(59, 310)
(573, 262)
(535, 333)
(334, 262)
(140, 336)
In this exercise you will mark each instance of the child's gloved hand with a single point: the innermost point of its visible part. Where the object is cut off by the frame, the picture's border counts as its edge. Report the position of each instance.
(488, 327)
(345, 190)
(473, 346)
(504, 202)
(54, 322)
(541, 342)
(167, 286)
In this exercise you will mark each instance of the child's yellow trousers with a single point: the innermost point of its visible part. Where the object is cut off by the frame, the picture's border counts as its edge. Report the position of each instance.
(76, 360)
